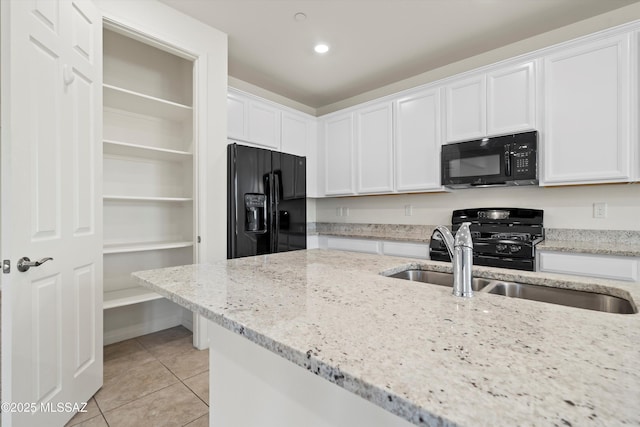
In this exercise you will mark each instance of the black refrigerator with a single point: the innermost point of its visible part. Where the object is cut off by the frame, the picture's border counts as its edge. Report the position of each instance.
(266, 201)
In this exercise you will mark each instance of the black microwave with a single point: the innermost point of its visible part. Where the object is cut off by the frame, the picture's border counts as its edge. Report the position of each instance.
(500, 160)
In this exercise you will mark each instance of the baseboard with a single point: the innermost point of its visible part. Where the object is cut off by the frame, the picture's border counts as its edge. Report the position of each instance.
(139, 329)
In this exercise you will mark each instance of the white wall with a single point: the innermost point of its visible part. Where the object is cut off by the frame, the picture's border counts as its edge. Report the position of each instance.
(564, 207)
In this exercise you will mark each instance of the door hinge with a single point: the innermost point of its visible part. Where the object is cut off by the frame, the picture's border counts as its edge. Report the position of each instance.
(6, 266)
(198, 239)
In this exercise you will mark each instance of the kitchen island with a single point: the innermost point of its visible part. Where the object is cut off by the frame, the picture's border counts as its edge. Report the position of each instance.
(412, 348)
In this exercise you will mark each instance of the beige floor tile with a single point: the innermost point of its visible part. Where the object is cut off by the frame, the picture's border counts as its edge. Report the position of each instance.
(120, 349)
(161, 337)
(126, 362)
(128, 386)
(171, 406)
(186, 365)
(98, 421)
(203, 421)
(199, 384)
(172, 348)
(92, 411)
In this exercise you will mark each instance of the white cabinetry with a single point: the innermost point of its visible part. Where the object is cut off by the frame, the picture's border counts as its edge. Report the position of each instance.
(417, 141)
(498, 102)
(466, 112)
(294, 134)
(253, 121)
(586, 113)
(148, 165)
(511, 105)
(338, 155)
(374, 150)
(604, 266)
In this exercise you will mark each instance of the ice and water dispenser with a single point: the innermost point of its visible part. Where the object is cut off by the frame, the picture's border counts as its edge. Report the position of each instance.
(255, 205)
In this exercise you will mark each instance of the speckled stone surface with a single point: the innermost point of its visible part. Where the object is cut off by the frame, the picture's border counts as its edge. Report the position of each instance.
(396, 232)
(416, 350)
(602, 242)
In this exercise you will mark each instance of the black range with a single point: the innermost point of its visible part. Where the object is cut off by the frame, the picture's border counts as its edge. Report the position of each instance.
(502, 237)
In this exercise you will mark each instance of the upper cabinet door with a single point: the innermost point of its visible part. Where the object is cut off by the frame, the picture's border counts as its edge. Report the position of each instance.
(466, 116)
(294, 134)
(237, 115)
(511, 99)
(417, 142)
(264, 125)
(339, 155)
(586, 126)
(375, 148)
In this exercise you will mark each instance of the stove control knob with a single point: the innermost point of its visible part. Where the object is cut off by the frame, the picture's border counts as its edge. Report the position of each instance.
(501, 248)
(515, 248)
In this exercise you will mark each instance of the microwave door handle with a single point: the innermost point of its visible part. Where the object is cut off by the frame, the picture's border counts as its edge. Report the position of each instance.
(507, 160)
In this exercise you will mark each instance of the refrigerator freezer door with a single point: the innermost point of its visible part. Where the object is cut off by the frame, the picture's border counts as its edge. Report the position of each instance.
(248, 230)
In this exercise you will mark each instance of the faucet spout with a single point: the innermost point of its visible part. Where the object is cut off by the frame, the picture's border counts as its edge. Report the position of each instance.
(460, 250)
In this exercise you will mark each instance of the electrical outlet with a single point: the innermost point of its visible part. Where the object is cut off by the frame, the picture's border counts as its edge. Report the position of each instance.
(408, 210)
(345, 211)
(600, 210)
(338, 211)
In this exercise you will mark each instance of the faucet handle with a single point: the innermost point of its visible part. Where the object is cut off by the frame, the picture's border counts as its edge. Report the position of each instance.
(463, 236)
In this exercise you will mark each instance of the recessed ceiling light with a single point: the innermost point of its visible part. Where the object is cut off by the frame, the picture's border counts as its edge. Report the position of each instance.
(321, 48)
(299, 16)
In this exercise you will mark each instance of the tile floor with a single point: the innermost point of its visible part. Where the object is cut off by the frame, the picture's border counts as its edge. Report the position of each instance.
(155, 380)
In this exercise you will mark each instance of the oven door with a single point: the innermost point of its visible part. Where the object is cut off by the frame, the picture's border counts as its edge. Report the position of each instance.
(476, 163)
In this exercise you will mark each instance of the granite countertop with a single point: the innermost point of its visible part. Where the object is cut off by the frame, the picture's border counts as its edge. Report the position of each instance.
(597, 242)
(416, 350)
(595, 248)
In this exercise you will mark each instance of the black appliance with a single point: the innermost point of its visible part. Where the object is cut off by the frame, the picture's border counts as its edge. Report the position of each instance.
(502, 160)
(502, 237)
(266, 202)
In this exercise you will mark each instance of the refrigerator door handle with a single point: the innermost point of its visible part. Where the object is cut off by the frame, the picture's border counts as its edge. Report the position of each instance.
(276, 210)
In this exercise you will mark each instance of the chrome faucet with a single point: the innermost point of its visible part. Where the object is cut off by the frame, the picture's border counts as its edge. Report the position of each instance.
(461, 253)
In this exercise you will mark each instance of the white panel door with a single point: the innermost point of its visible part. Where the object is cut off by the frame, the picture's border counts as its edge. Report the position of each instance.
(586, 126)
(511, 99)
(338, 164)
(466, 109)
(417, 142)
(374, 141)
(51, 207)
(264, 125)
(237, 115)
(294, 134)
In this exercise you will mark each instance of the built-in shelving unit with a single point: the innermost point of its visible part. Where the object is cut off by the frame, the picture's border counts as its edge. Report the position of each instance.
(148, 165)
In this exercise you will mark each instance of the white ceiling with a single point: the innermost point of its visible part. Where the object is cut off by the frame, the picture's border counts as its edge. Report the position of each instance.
(373, 42)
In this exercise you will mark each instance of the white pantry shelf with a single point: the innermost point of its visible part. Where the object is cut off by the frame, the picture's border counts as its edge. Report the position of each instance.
(118, 148)
(147, 199)
(120, 248)
(122, 297)
(127, 100)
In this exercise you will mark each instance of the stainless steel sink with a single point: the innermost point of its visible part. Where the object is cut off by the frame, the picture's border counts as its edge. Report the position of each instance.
(566, 297)
(437, 278)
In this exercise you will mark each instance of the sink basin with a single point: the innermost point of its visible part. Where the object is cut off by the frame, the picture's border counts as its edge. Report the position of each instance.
(437, 278)
(566, 297)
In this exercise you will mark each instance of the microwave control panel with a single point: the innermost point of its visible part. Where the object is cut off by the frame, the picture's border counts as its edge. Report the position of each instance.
(524, 159)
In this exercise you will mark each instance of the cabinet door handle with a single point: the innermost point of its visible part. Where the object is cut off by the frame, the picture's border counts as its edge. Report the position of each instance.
(24, 263)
